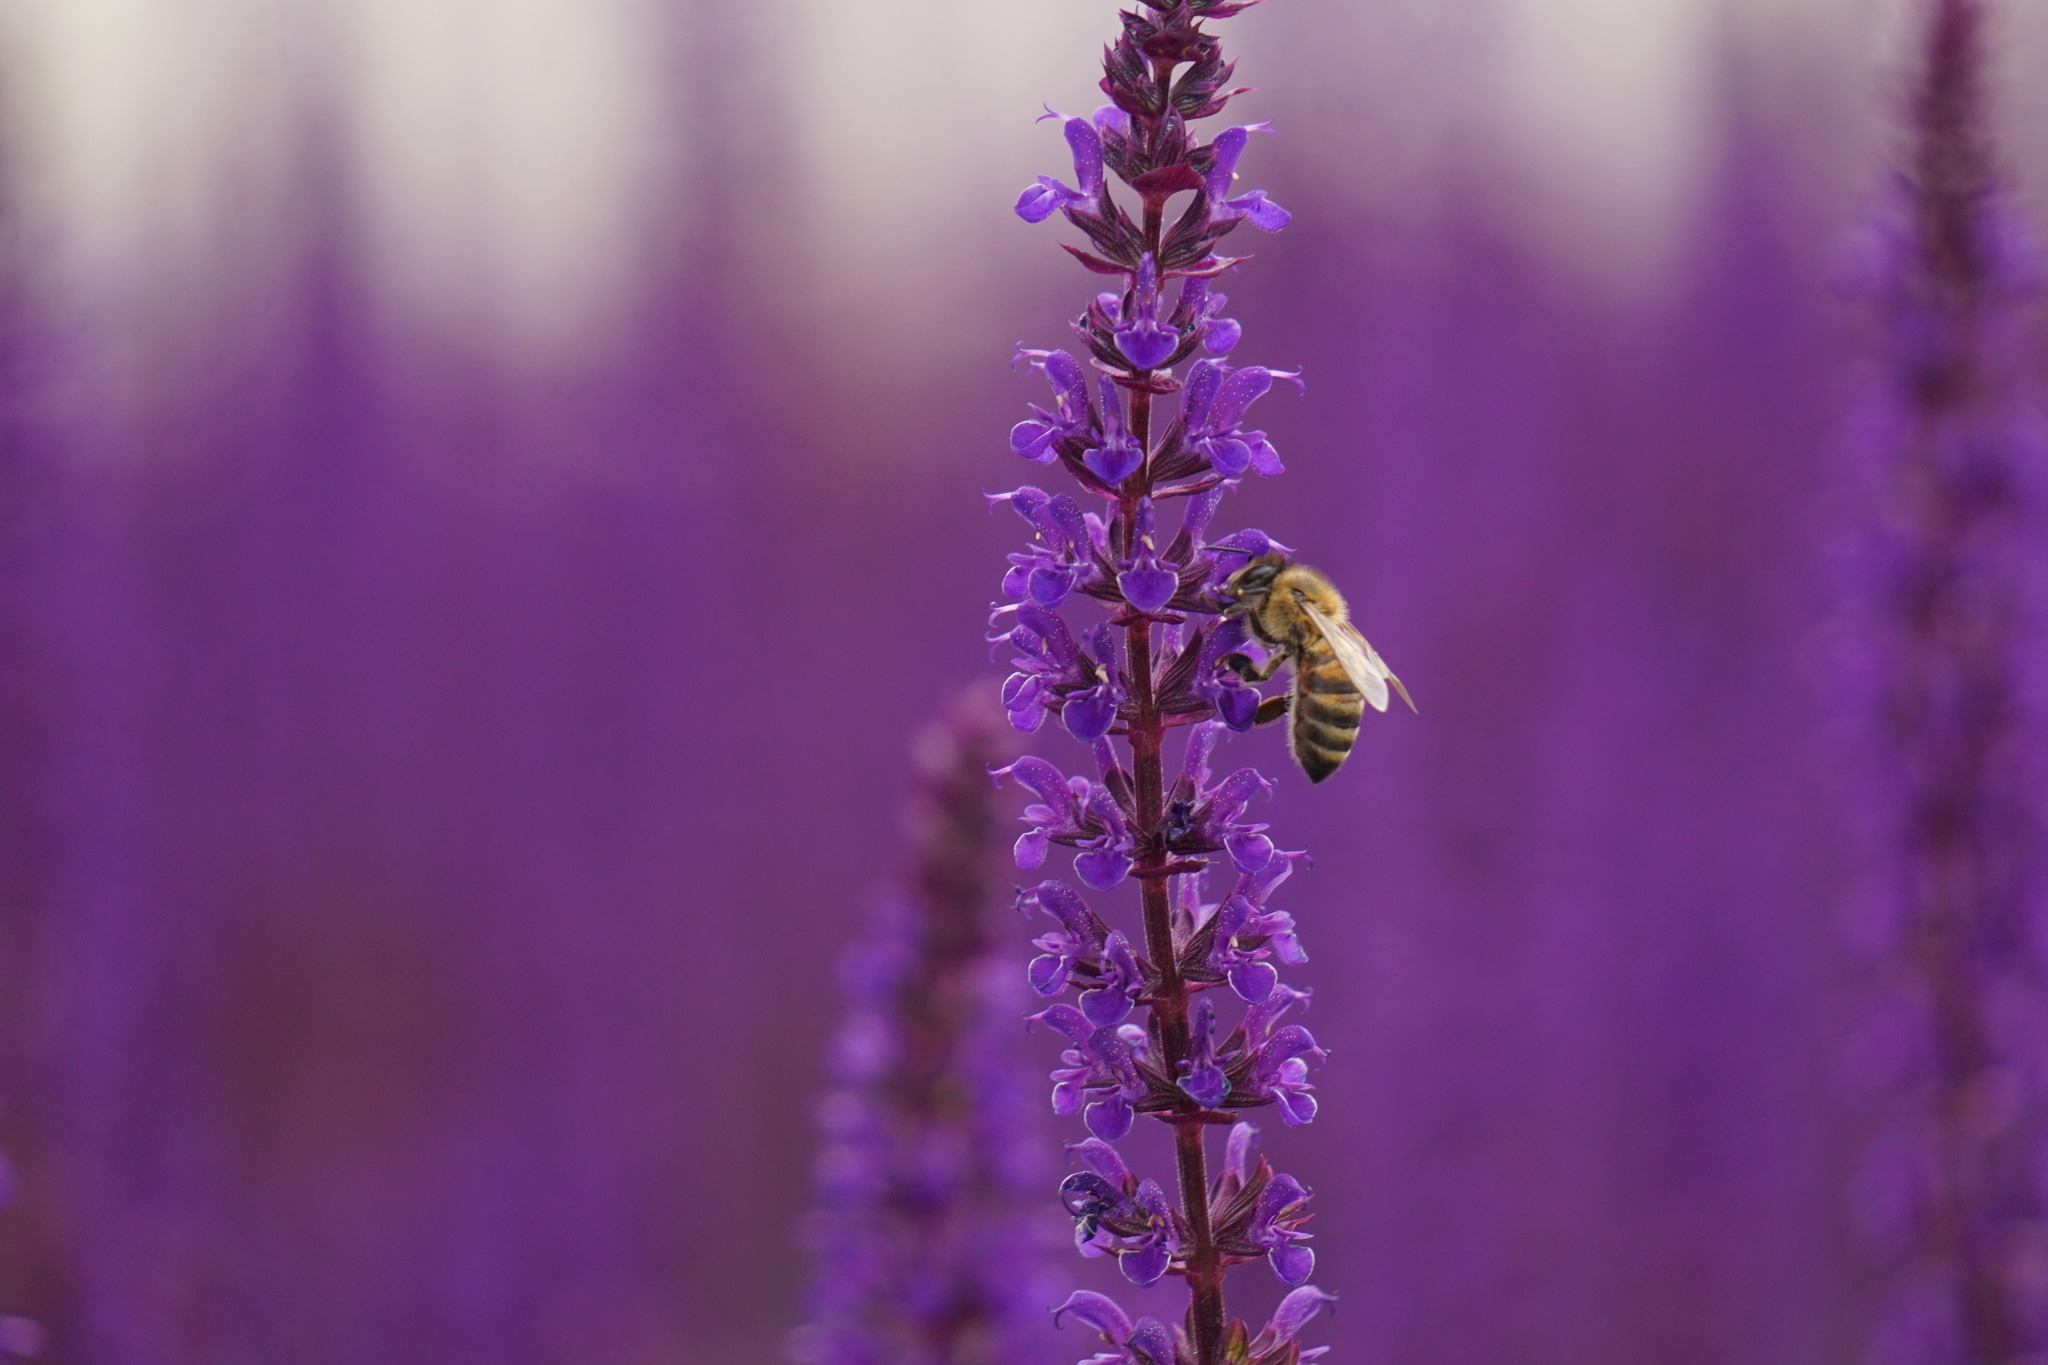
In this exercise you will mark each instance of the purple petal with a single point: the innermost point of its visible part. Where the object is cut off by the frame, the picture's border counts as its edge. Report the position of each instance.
(1236, 789)
(1060, 901)
(1285, 1045)
(1089, 717)
(1047, 974)
(1237, 1151)
(1087, 146)
(1105, 1008)
(1069, 381)
(1292, 1262)
(1297, 1107)
(1265, 459)
(1049, 587)
(1100, 1312)
(1050, 628)
(1030, 847)
(1067, 1020)
(1201, 509)
(1249, 851)
(1067, 515)
(1145, 1265)
(1297, 1308)
(1147, 589)
(1044, 781)
(1238, 706)
(1102, 1159)
(1263, 212)
(1102, 868)
(1086, 1193)
(1230, 455)
(1032, 440)
(1113, 463)
(1238, 392)
(1204, 378)
(1110, 1118)
(1155, 1340)
(1250, 540)
(1252, 981)
(1221, 335)
(1228, 146)
(1146, 344)
(1206, 1086)
(1025, 501)
(1037, 202)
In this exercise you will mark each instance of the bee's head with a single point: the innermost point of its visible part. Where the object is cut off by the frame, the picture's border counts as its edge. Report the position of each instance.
(1255, 578)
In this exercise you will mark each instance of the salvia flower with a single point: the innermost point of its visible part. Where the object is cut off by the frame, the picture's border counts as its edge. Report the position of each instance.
(1117, 620)
(928, 1252)
(1945, 656)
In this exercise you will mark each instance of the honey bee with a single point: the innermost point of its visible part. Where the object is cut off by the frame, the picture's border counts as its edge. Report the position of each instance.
(1297, 613)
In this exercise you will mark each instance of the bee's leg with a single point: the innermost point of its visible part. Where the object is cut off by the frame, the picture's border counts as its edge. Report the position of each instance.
(1242, 665)
(1271, 709)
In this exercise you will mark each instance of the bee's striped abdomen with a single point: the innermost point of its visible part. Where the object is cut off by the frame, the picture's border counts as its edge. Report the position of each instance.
(1325, 711)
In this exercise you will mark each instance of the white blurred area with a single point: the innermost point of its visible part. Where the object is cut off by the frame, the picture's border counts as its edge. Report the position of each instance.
(510, 164)
(499, 159)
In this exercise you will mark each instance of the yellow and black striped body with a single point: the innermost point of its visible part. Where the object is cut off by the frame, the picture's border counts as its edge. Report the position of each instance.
(1323, 712)
(1324, 705)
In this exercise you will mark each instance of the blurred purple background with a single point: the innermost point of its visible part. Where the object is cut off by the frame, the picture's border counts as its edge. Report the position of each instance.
(491, 488)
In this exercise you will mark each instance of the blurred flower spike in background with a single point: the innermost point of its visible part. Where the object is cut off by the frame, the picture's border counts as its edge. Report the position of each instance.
(931, 1247)
(1950, 662)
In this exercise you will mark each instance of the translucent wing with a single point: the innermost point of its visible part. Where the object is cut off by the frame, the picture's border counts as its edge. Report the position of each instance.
(1361, 663)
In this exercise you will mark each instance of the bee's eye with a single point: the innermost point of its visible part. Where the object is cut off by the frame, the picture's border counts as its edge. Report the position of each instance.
(1298, 596)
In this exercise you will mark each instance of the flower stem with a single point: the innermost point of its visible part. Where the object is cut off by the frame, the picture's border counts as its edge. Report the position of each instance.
(1146, 736)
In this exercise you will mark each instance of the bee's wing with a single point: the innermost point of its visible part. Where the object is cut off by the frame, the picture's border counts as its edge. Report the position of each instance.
(1361, 663)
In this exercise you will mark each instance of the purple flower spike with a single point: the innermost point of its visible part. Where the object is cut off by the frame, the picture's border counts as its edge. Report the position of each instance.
(1944, 592)
(1116, 620)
